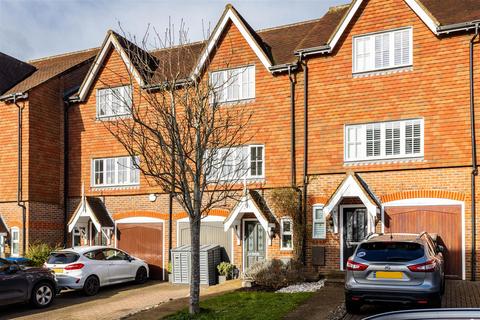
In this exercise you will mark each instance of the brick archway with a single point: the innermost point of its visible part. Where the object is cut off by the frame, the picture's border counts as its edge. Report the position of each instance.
(431, 194)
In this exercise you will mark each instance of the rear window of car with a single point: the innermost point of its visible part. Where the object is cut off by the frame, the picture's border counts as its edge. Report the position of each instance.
(62, 258)
(390, 251)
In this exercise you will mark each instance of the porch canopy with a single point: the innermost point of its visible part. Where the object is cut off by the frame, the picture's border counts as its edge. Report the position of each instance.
(354, 186)
(91, 209)
(251, 202)
(3, 227)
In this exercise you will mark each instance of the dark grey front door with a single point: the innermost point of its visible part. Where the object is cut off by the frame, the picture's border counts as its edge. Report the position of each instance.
(254, 243)
(355, 229)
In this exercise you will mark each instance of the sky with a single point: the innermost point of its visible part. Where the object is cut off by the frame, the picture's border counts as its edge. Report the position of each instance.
(31, 29)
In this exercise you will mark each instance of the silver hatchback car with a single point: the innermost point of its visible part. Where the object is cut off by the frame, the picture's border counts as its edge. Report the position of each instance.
(398, 268)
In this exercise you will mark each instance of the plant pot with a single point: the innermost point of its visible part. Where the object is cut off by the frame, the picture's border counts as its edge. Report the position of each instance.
(170, 277)
(222, 279)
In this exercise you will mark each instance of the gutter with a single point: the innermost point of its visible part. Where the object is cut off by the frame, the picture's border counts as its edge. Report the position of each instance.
(286, 67)
(457, 27)
(325, 49)
(474, 153)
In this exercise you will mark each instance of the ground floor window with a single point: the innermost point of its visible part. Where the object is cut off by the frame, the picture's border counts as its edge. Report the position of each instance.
(79, 236)
(15, 242)
(319, 225)
(286, 234)
(2, 246)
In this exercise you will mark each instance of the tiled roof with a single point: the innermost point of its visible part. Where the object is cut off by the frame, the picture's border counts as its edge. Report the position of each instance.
(12, 71)
(51, 67)
(100, 211)
(448, 12)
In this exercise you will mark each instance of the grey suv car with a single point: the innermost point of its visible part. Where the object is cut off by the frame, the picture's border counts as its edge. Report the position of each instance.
(398, 267)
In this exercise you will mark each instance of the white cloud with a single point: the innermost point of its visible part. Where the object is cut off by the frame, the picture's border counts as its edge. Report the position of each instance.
(32, 28)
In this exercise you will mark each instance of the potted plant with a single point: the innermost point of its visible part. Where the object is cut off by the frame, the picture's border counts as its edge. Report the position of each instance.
(169, 270)
(225, 270)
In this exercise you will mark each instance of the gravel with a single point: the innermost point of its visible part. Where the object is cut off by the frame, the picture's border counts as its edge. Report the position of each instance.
(303, 287)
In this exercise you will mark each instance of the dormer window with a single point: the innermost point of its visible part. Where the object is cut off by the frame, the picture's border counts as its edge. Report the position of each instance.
(114, 102)
(380, 51)
(233, 85)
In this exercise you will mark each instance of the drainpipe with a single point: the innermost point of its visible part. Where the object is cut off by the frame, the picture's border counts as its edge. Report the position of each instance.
(292, 79)
(20, 202)
(66, 168)
(303, 61)
(474, 153)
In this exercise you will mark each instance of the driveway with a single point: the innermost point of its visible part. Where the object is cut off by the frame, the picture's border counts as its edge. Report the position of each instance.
(112, 302)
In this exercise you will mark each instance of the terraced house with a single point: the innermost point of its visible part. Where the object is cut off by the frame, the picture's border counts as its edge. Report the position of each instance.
(369, 110)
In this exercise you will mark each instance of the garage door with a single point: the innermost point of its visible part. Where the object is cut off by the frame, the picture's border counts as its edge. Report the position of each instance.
(446, 221)
(144, 241)
(210, 233)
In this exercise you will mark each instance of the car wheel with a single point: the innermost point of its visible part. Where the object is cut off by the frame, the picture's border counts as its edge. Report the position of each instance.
(141, 276)
(352, 307)
(91, 286)
(43, 295)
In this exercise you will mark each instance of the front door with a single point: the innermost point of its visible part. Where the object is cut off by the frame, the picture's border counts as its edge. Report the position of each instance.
(355, 229)
(254, 243)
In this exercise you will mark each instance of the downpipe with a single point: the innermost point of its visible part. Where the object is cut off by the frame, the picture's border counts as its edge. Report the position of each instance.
(293, 82)
(474, 153)
(20, 202)
(305, 139)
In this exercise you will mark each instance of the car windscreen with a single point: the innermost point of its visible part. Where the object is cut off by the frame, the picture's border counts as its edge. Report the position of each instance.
(390, 251)
(62, 258)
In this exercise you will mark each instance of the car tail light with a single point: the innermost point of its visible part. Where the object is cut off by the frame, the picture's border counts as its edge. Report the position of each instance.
(356, 266)
(75, 266)
(428, 266)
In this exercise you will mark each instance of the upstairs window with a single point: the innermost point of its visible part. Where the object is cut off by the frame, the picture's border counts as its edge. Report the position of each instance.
(233, 84)
(114, 102)
(386, 50)
(118, 171)
(245, 162)
(384, 140)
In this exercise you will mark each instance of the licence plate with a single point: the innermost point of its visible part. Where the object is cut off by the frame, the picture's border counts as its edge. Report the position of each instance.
(388, 275)
(57, 270)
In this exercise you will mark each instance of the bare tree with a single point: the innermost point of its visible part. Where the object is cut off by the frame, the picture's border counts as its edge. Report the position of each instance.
(183, 139)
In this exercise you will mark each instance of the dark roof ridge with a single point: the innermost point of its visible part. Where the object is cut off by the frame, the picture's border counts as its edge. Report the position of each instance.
(60, 55)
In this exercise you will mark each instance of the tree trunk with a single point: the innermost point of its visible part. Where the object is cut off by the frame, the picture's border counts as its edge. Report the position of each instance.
(195, 266)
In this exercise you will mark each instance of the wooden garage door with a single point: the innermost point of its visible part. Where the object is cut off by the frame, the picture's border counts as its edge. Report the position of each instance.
(446, 221)
(210, 233)
(145, 241)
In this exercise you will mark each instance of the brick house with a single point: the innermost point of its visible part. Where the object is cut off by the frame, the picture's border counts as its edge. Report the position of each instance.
(31, 194)
(366, 109)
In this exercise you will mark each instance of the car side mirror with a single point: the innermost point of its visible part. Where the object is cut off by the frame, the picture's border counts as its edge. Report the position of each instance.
(129, 259)
(440, 248)
(13, 269)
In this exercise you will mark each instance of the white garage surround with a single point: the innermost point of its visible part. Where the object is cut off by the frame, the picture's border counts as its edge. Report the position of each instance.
(145, 220)
(431, 202)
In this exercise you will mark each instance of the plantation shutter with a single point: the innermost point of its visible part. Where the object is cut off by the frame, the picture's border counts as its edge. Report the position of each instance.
(382, 51)
(392, 139)
(373, 133)
(402, 49)
(413, 137)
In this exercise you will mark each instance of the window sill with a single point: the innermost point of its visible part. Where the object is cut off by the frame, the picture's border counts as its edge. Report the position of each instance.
(117, 187)
(383, 161)
(286, 249)
(235, 102)
(113, 118)
(381, 72)
(239, 181)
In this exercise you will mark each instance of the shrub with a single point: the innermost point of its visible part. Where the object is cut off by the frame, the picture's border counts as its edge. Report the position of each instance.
(276, 274)
(225, 269)
(38, 253)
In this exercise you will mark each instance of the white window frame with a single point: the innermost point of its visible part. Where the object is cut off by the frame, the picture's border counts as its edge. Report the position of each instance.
(14, 230)
(226, 85)
(109, 96)
(247, 168)
(129, 173)
(315, 220)
(360, 141)
(371, 46)
(2, 245)
(287, 233)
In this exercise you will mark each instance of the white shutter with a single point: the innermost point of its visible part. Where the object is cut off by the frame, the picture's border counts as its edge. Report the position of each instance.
(382, 51)
(363, 54)
(392, 138)
(319, 223)
(251, 82)
(402, 44)
(373, 133)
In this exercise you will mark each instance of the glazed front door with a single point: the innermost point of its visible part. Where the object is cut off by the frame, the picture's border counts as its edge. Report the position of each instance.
(355, 230)
(254, 243)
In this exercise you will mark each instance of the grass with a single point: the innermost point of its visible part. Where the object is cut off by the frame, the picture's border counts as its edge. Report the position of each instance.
(246, 305)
